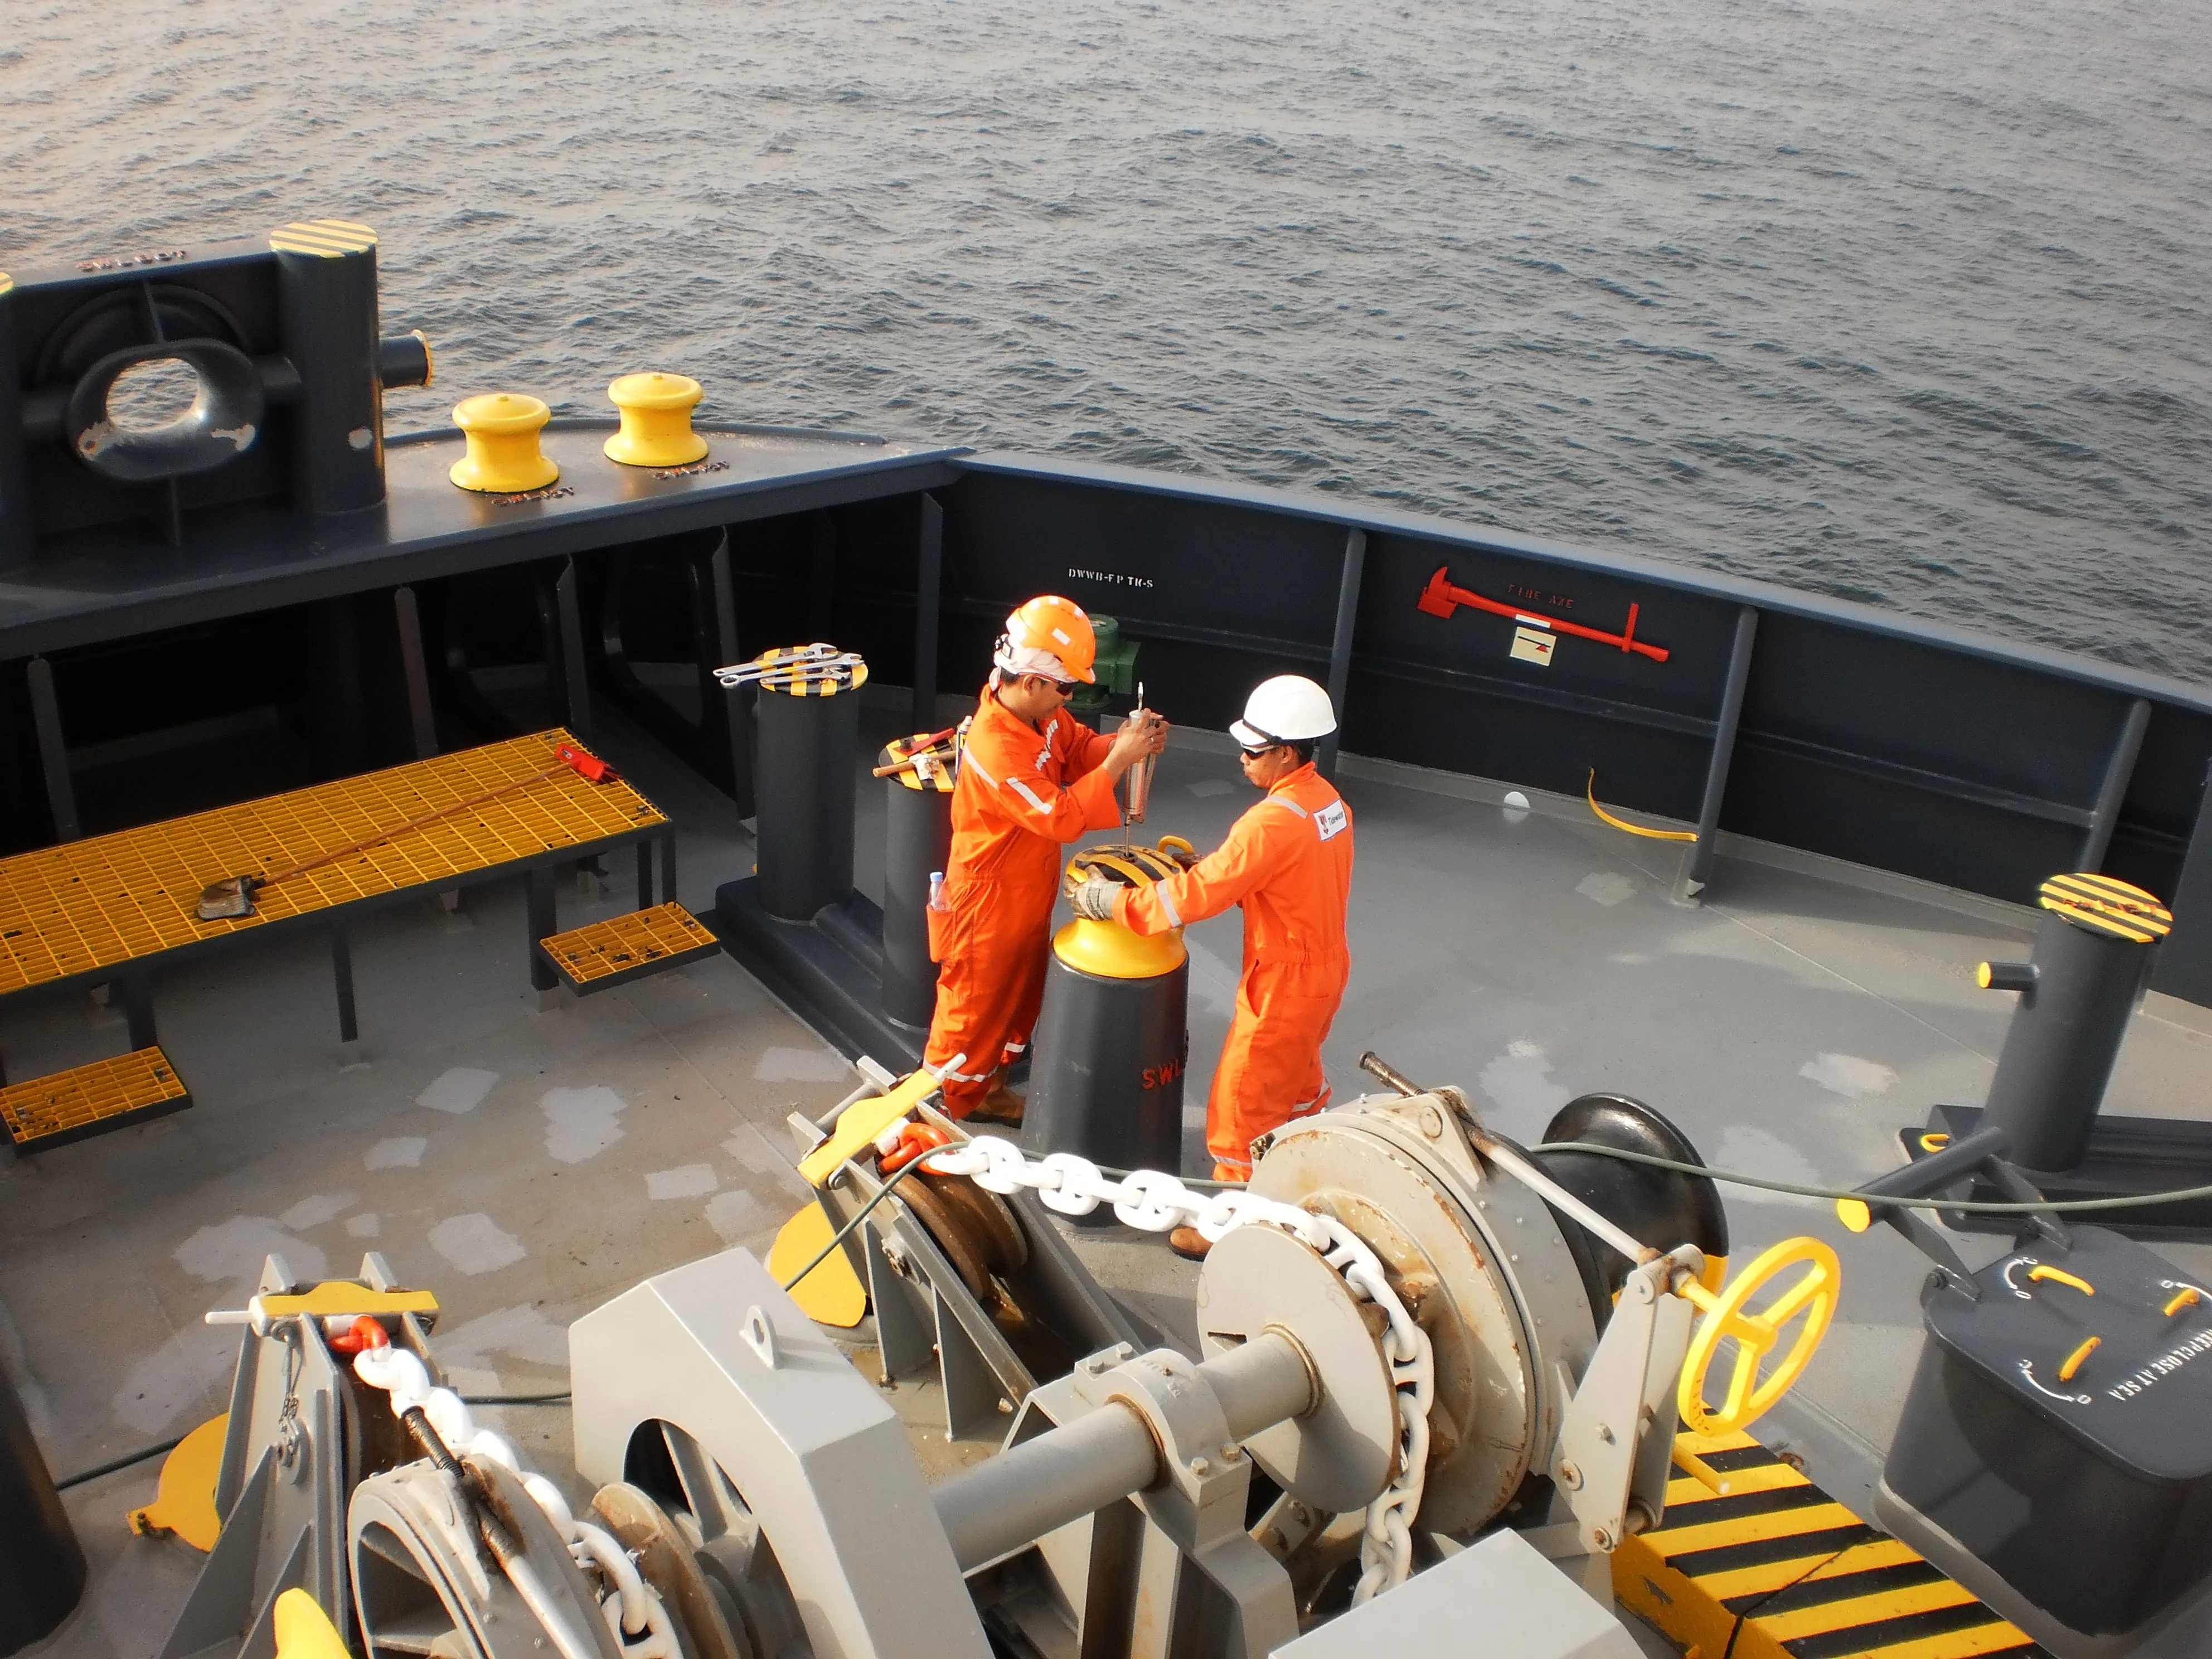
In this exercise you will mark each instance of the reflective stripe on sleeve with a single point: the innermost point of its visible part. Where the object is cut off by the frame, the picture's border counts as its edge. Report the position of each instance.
(1285, 800)
(1029, 795)
(968, 761)
(1167, 905)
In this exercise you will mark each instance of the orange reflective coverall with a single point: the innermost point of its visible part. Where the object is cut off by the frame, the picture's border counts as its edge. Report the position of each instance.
(1022, 794)
(1288, 862)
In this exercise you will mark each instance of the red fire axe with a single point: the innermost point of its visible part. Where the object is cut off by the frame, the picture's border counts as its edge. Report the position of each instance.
(1440, 598)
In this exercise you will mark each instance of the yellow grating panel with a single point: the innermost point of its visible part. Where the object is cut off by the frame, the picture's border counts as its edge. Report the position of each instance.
(96, 903)
(70, 1102)
(626, 945)
(1775, 1569)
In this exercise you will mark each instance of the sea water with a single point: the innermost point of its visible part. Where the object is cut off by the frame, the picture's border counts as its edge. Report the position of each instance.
(1900, 301)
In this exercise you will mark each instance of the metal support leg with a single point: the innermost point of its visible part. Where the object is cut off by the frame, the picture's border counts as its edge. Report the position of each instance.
(736, 713)
(415, 668)
(2113, 793)
(138, 1009)
(821, 576)
(53, 751)
(543, 923)
(1698, 866)
(1340, 648)
(569, 620)
(668, 866)
(645, 875)
(928, 610)
(2184, 967)
(341, 979)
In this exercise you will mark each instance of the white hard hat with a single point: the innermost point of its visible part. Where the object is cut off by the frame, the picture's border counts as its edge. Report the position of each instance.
(1289, 709)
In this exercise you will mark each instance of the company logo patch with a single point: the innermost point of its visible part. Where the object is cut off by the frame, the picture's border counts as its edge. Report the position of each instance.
(1332, 819)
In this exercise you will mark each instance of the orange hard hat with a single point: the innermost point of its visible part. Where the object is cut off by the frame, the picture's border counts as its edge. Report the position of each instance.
(1060, 628)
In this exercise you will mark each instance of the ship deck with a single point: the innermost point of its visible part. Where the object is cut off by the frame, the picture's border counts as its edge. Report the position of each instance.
(525, 1161)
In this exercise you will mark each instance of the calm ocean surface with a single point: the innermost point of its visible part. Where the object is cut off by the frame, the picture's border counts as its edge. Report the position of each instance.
(1899, 302)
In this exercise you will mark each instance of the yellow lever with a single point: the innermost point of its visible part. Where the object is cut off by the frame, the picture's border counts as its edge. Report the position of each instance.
(859, 1125)
(1757, 1334)
(2059, 1275)
(2073, 1361)
(2184, 1298)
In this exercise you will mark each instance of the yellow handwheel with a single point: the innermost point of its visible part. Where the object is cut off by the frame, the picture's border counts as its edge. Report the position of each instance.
(1757, 1334)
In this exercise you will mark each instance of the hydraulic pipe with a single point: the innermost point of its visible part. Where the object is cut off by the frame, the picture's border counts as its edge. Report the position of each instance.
(1014, 1499)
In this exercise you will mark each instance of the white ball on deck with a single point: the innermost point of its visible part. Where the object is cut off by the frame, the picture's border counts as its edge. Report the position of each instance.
(1515, 801)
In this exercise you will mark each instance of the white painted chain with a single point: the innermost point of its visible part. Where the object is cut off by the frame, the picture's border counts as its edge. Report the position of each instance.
(633, 1609)
(1153, 1202)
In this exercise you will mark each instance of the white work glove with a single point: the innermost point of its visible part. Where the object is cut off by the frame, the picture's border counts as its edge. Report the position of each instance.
(1094, 899)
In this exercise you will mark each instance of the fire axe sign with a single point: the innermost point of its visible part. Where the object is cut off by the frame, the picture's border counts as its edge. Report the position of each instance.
(1532, 645)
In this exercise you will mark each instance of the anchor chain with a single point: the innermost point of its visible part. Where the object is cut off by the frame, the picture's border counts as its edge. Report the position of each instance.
(1153, 1202)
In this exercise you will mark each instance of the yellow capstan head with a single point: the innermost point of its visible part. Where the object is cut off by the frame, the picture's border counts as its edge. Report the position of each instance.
(503, 457)
(656, 421)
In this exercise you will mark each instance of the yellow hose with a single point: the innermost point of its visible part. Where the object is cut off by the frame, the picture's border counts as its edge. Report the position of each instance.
(1634, 829)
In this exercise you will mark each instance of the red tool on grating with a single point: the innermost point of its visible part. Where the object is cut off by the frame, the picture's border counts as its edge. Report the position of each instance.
(231, 899)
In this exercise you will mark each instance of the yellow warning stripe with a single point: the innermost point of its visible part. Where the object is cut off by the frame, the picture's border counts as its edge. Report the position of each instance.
(1766, 1579)
(330, 238)
(1751, 1528)
(1969, 1643)
(1869, 1609)
(2109, 906)
(7, 283)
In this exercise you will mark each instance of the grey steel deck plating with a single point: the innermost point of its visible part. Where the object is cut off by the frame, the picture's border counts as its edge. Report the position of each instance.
(526, 1165)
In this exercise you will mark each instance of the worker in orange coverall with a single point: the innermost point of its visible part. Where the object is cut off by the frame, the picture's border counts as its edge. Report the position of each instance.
(1288, 862)
(1032, 778)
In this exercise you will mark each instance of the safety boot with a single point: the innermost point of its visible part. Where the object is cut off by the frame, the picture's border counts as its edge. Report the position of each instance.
(1190, 1243)
(1001, 1105)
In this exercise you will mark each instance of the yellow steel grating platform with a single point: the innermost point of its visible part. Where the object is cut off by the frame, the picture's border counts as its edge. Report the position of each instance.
(1775, 1569)
(92, 904)
(90, 1100)
(602, 954)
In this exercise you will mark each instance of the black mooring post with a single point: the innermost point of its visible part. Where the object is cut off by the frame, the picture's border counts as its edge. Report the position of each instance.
(928, 609)
(1698, 866)
(1340, 647)
(326, 303)
(2112, 794)
(415, 668)
(54, 750)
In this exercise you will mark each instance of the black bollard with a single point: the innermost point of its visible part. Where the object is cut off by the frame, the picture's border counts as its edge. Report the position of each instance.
(41, 1566)
(2092, 956)
(809, 743)
(326, 300)
(1113, 1034)
(917, 841)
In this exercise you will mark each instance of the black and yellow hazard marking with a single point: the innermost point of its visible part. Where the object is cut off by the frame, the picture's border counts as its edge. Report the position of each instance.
(1771, 1567)
(799, 670)
(90, 1100)
(2103, 904)
(603, 954)
(327, 238)
(89, 904)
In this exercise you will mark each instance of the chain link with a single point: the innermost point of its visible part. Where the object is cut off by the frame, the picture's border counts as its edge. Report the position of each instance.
(1154, 1201)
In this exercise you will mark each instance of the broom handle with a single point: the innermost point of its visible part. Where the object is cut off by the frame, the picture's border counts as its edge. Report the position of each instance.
(462, 806)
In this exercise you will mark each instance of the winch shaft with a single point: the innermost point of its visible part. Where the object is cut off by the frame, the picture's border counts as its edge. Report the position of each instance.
(1067, 1472)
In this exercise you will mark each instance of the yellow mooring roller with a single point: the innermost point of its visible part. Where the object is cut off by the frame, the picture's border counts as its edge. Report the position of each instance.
(503, 457)
(656, 421)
